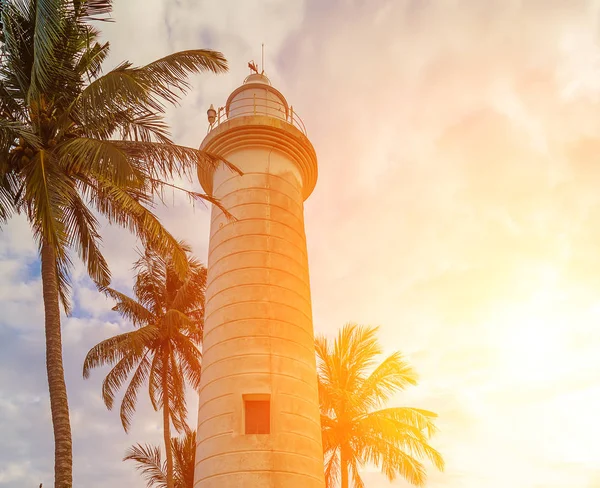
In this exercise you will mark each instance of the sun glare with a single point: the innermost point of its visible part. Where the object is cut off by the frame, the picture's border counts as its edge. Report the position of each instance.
(545, 371)
(538, 340)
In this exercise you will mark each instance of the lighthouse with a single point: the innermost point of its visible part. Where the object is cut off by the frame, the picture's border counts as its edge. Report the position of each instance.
(258, 416)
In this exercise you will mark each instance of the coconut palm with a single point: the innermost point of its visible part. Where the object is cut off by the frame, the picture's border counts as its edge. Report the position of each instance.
(167, 313)
(149, 462)
(74, 144)
(356, 427)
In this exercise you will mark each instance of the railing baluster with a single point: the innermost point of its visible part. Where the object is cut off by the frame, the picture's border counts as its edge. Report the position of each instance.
(266, 106)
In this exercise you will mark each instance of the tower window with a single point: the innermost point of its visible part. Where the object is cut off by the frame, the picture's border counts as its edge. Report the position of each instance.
(257, 416)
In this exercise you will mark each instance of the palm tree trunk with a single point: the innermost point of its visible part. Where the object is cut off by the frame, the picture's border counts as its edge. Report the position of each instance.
(59, 405)
(344, 467)
(167, 424)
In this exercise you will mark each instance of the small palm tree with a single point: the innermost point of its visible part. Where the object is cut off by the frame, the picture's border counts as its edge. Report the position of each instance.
(74, 144)
(149, 462)
(163, 349)
(356, 429)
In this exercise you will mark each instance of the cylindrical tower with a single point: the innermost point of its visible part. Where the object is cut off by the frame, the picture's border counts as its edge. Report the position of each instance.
(258, 418)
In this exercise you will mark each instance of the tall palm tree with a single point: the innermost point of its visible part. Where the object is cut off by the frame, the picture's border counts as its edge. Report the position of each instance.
(149, 462)
(75, 143)
(163, 350)
(356, 428)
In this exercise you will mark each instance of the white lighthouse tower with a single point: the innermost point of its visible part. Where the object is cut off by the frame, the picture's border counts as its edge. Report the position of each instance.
(258, 418)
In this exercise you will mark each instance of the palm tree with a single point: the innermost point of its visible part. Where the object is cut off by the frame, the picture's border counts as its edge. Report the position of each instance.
(355, 428)
(74, 144)
(167, 312)
(148, 460)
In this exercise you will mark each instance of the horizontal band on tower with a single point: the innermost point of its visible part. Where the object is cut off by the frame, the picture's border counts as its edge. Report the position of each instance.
(248, 174)
(261, 471)
(256, 373)
(266, 353)
(273, 337)
(263, 248)
(266, 254)
(260, 320)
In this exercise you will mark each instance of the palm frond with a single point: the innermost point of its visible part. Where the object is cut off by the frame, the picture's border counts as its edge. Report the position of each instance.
(190, 359)
(50, 193)
(12, 106)
(330, 435)
(48, 32)
(393, 461)
(332, 468)
(324, 367)
(178, 321)
(122, 206)
(167, 75)
(422, 450)
(357, 481)
(184, 454)
(192, 329)
(90, 62)
(334, 396)
(159, 186)
(415, 417)
(96, 10)
(10, 130)
(63, 271)
(149, 462)
(117, 376)
(130, 397)
(128, 88)
(167, 160)
(392, 375)
(118, 90)
(150, 281)
(176, 385)
(94, 156)
(18, 31)
(129, 308)
(386, 428)
(155, 386)
(129, 123)
(7, 197)
(355, 350)
(190, 294)
(113, 349)
(82, 230)
(143, 126)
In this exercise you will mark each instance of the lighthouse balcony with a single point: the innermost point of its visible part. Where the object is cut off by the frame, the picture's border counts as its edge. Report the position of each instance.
(249, 104)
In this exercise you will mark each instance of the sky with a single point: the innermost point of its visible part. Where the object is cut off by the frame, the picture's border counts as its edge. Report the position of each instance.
(457, 208)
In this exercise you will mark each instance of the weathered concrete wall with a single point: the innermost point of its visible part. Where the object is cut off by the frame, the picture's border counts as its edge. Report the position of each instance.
(258, 328)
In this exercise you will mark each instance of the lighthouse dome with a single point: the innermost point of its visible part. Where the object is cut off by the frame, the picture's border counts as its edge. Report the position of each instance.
(257, 78)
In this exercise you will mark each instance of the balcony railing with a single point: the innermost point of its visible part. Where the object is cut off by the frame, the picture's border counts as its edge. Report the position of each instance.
(243, 106)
